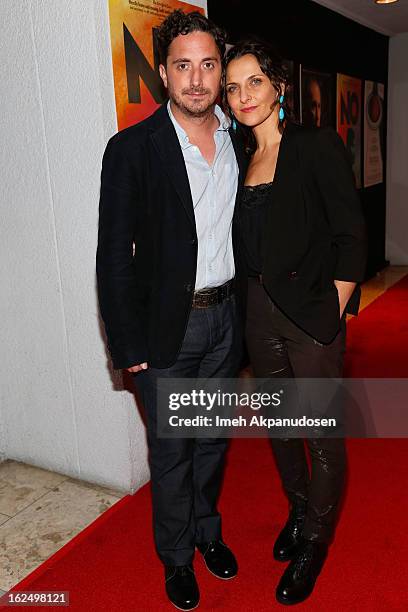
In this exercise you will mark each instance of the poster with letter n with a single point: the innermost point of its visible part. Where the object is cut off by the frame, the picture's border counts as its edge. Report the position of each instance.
(138, 86)
(349, 120)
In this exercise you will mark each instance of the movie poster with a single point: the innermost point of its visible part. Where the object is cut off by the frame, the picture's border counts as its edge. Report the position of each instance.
(349, 120)
(316, 100)
(138, 86)
(293, 94)
(373, 133)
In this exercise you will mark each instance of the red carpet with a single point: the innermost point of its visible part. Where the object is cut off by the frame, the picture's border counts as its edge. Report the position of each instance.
(377, 344)
(111, 565)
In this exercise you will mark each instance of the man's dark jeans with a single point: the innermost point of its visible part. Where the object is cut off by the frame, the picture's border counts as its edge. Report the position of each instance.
(186, 474)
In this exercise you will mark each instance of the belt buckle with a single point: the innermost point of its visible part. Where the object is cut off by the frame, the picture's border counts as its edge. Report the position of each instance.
(200, 299)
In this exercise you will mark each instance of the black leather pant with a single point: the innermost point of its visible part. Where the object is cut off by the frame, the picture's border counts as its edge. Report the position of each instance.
(278, 348)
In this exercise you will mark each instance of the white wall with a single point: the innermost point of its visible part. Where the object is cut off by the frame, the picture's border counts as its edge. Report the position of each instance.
(60, 406)
(397, 152)
(202, 3)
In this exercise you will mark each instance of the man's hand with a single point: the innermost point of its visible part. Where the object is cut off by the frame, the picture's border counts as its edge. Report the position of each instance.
(345, 290)
(138, 368)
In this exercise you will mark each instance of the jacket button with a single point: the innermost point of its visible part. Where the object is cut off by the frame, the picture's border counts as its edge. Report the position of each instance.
(292, 275)
(193, 241)
(188, 287)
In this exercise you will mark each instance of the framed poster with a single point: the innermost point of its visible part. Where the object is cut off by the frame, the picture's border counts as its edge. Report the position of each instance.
(138, 86)
(293, 93)
(373, 133)
(349, 120)
(316, 100)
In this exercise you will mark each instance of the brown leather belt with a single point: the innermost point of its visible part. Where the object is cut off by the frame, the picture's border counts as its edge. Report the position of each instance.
(215, 295)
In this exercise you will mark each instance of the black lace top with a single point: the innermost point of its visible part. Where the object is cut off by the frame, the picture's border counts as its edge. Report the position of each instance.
(253, 210)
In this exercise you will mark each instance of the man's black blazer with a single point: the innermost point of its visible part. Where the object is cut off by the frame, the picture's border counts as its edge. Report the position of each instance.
(145, 298)
(315, 230)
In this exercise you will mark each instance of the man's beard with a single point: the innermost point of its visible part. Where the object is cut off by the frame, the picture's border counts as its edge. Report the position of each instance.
(195, 108)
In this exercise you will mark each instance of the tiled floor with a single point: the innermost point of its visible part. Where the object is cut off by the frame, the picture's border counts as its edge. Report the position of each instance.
(380, 283)
(40, 510)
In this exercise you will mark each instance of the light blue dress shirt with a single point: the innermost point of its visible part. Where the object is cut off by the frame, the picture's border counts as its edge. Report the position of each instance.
(213, 190)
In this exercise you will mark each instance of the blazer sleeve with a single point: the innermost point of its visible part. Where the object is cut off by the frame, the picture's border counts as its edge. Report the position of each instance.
(121, 298)
(335, 181)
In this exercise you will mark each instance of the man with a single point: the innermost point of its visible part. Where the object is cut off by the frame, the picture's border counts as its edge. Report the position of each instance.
(313, 111)
(168, 187)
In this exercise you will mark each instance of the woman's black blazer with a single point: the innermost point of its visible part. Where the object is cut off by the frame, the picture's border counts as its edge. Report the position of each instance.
(315, 230)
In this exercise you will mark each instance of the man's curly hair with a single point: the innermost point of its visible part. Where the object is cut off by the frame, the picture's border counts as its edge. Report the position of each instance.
(178, 23)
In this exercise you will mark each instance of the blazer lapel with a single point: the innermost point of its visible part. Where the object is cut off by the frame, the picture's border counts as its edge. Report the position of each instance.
(286, 163)
(168, 147)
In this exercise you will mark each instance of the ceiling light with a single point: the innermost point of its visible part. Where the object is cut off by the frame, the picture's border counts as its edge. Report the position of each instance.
(385, 1)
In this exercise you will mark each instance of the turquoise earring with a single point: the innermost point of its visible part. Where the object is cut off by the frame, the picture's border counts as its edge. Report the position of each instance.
(281, 111)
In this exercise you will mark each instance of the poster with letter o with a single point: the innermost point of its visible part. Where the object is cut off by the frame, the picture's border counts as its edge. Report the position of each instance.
(373, 133)
(138, 86)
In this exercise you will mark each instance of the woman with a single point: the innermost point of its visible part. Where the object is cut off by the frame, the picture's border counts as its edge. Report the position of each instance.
(303, 238)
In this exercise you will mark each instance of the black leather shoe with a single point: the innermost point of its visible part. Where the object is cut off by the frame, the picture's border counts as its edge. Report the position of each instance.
(182, 587)
(219, 559)
(287, 542)
(299, 578)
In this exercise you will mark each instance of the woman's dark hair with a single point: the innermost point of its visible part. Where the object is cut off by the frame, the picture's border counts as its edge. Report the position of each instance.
(178, 23)
(271, 65)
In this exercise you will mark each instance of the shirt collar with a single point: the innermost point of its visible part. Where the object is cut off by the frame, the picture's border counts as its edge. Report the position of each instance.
(182, 134)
